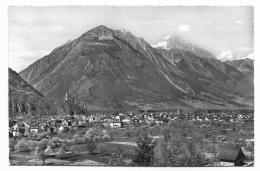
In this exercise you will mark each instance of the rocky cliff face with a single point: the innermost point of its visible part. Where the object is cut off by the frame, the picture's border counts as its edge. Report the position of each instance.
(24, 99)
(112, 69)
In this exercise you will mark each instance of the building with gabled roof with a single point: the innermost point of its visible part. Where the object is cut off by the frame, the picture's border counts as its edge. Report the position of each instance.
(232, 154)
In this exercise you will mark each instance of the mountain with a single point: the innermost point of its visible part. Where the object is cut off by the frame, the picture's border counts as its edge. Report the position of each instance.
(244, 65)
(106, 69)
(207, 75)
(23, 98)
(173, 42)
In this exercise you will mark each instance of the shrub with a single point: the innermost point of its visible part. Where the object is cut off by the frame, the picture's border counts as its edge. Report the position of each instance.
(42, 135)
(61, 151)
(116, 160)
(91, 146)
(22, 145)
(11, 144)
(75, 149)
(43, 143)
(32, 144)
(55, 142)
(91, 132)
(203, 126)
(105, 135)
(79, 139)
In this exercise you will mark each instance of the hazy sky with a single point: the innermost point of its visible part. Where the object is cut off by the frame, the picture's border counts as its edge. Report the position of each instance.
(36, 31)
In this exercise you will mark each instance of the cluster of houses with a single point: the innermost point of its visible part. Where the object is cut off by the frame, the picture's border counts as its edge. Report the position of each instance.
(123, 119)
(129, 119)
(148, 118)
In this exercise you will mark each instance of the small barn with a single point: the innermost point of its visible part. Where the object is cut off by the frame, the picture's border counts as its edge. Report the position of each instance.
(233, 155)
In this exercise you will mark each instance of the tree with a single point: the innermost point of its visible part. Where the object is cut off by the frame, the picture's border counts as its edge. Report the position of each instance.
(166, 134)
(91, 133)
(177, 152)
(161, 153)
(144, 152)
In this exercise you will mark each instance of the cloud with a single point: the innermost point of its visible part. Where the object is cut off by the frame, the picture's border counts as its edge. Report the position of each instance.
(21, 56)
(251, 56)
(225, 56)
(229, 56)
(159, 22)
(239, 22)
(184, 28)
(207, 23)
(57, 28)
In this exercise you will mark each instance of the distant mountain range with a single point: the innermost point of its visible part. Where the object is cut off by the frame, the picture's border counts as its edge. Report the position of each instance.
(173, 42)
(106, 69)
(229, 56)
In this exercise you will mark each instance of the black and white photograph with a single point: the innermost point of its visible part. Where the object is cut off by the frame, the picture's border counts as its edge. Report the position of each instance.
(131, 86)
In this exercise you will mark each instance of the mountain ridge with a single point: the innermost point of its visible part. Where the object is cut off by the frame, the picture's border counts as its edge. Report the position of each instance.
(23, 98)
(113, 69)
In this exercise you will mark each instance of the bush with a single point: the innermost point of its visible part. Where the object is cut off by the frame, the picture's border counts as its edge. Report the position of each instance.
(79, 139)
(203, 126)
(75, 149)
(91, 146)
(91, 132)
(11, 144)
(22, 145)
(42, 136)
(55, 142)
(116, 160)
(105, 135)
(43, 143)
(32, 145)
(61, 151)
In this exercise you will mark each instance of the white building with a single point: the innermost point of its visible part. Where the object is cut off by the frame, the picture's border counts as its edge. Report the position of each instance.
(115, 124)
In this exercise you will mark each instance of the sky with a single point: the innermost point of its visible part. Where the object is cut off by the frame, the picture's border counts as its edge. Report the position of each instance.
(34, 32)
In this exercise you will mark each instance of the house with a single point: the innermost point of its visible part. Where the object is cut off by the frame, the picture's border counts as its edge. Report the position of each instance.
(34, 130)
(159, 122)
(232, 154)
(126, 120)
(116, 124)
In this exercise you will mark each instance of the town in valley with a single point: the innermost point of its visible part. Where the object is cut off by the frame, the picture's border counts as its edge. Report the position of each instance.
(166, 86)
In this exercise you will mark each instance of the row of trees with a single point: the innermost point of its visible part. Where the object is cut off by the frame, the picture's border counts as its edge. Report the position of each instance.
(168, 151)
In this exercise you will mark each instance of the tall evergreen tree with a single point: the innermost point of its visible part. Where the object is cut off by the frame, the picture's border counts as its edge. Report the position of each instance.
(144, 153)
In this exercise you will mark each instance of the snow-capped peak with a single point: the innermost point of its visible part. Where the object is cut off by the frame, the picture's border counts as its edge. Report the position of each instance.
(165, 42)
(230, 56)
(161, 44)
